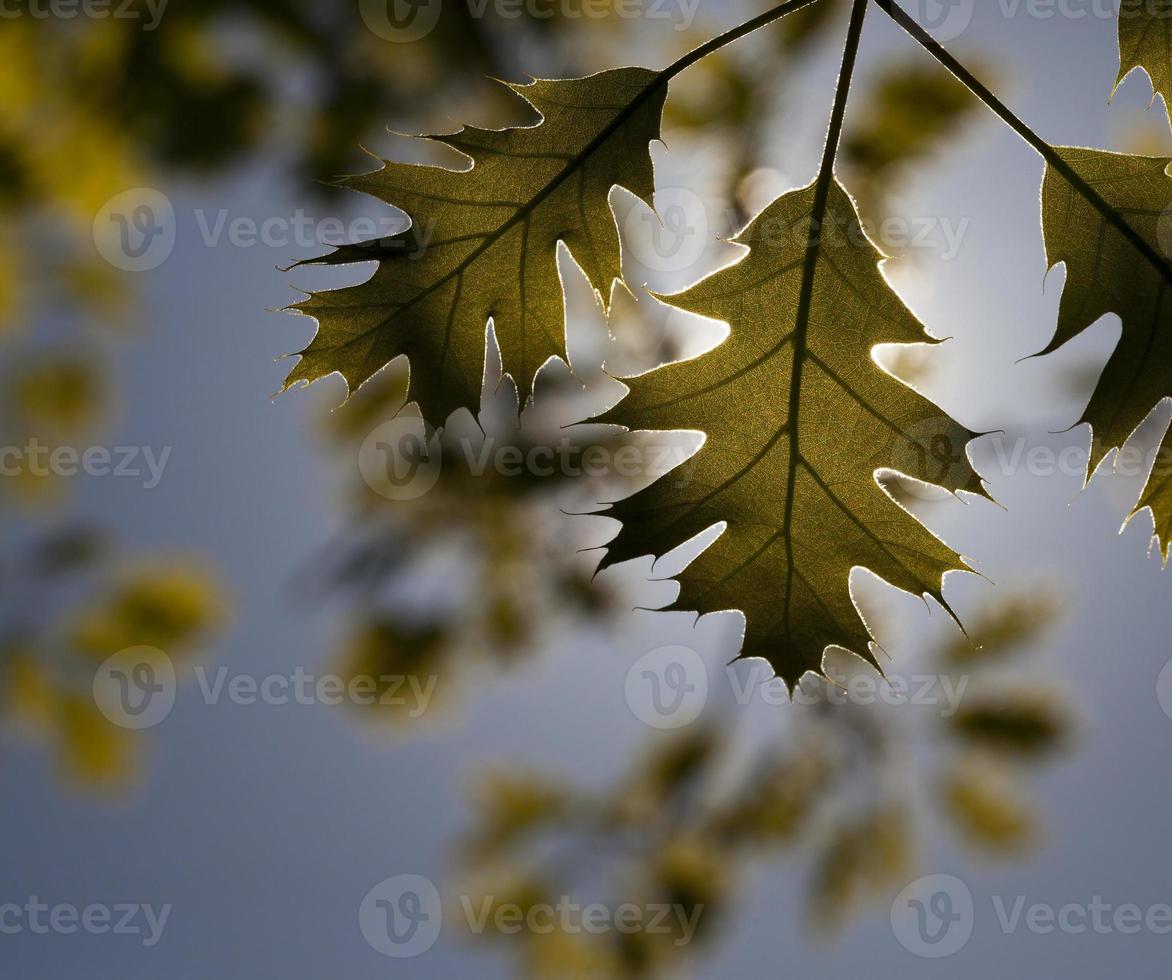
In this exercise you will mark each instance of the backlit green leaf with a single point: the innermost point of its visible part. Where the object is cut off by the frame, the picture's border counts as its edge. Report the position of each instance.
(798, 418)
(1110, 271)
(1145, 41)
(483, 242)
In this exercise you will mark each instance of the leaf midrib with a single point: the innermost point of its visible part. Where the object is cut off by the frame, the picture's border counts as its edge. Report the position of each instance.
(805, 297)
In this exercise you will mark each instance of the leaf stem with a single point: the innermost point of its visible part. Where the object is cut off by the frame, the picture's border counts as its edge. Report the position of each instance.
(1048, 152)
(809, 269)
(842, 90)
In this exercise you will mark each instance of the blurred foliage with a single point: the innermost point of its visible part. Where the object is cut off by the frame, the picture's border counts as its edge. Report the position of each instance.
(49, 397)
(986, 805)
(911, 111)
(840, 785)
(69, 603)
(164, 605)
(479, 570)
(735, 94)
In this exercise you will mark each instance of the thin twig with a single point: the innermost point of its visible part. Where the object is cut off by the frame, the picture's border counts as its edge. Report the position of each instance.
(1048, 152)
(729, 36)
